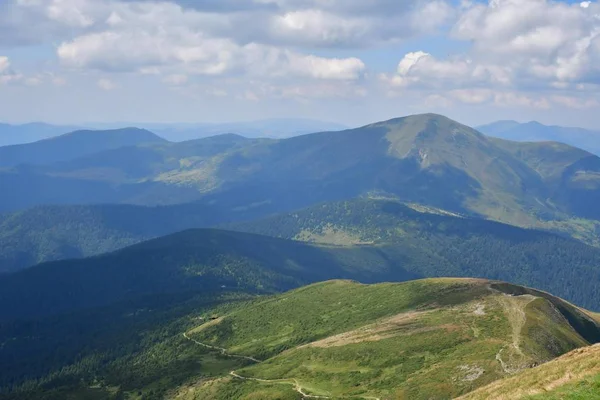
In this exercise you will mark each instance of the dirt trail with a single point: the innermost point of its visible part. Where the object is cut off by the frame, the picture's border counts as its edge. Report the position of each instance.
(292, 382)
(220, 349)
(514, 308)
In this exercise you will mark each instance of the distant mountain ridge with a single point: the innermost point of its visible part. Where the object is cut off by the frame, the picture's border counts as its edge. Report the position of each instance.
(275, 128)
(427, 159)
(536, 132)
(32, 132)
(74, 145)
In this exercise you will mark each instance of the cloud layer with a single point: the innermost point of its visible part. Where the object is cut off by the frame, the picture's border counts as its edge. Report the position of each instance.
(531, 53)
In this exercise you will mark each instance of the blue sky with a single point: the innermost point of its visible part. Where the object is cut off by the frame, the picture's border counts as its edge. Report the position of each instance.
(349, 61)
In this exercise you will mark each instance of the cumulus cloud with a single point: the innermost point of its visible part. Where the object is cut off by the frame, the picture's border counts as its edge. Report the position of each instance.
(515, 46)
(540, 40)
(7, 75)
(319, 23)
(424, 70)
(4, 64)
(130, 51)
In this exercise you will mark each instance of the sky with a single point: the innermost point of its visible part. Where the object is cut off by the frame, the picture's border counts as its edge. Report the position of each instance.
(347, 61)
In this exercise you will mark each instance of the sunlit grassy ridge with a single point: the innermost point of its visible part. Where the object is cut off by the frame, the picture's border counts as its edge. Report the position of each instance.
(436, 338)
(574, 376)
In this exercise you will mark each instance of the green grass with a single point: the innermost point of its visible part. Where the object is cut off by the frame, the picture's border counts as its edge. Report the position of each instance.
(418, 340)
(575, 375)
(586, 389)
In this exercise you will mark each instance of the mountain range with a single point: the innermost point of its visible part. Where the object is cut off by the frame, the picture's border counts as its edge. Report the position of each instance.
(536, 132)
(427, 159)
(227, 267)
(275, 128)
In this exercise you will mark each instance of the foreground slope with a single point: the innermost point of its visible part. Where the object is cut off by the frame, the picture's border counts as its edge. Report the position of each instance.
(574, 376)
(434, 338)
(425, 339)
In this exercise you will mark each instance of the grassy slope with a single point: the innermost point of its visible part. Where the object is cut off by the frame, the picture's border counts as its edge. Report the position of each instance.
(423, 339)
(573, 376)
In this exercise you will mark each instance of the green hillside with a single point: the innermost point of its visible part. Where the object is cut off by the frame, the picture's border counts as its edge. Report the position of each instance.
(425, 339)
(417, 340)
(194, 261)
(571, 175)
(403, 242)
(49, 233)
(432, 243)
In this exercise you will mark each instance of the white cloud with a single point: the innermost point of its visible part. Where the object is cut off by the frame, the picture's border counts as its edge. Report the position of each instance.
(517, 48)
(330, 23)
(423, 70)
(106, 84)
(541, 41)
(7, 75)
(190, 53)
(4, 64)
(70, 12)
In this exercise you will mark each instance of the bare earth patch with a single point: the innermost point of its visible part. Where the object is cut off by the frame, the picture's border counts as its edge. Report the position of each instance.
(398, 325)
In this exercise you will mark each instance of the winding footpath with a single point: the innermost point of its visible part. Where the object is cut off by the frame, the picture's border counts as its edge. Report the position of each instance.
(515, 310)
(220, 349)
(292, 382)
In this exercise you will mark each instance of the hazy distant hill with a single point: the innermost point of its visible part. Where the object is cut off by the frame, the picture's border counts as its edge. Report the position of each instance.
(27, 133)
(277, 128)
(535, 132)
(73, 145)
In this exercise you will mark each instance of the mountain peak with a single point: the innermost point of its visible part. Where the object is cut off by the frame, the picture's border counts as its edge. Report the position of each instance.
(427, 117)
